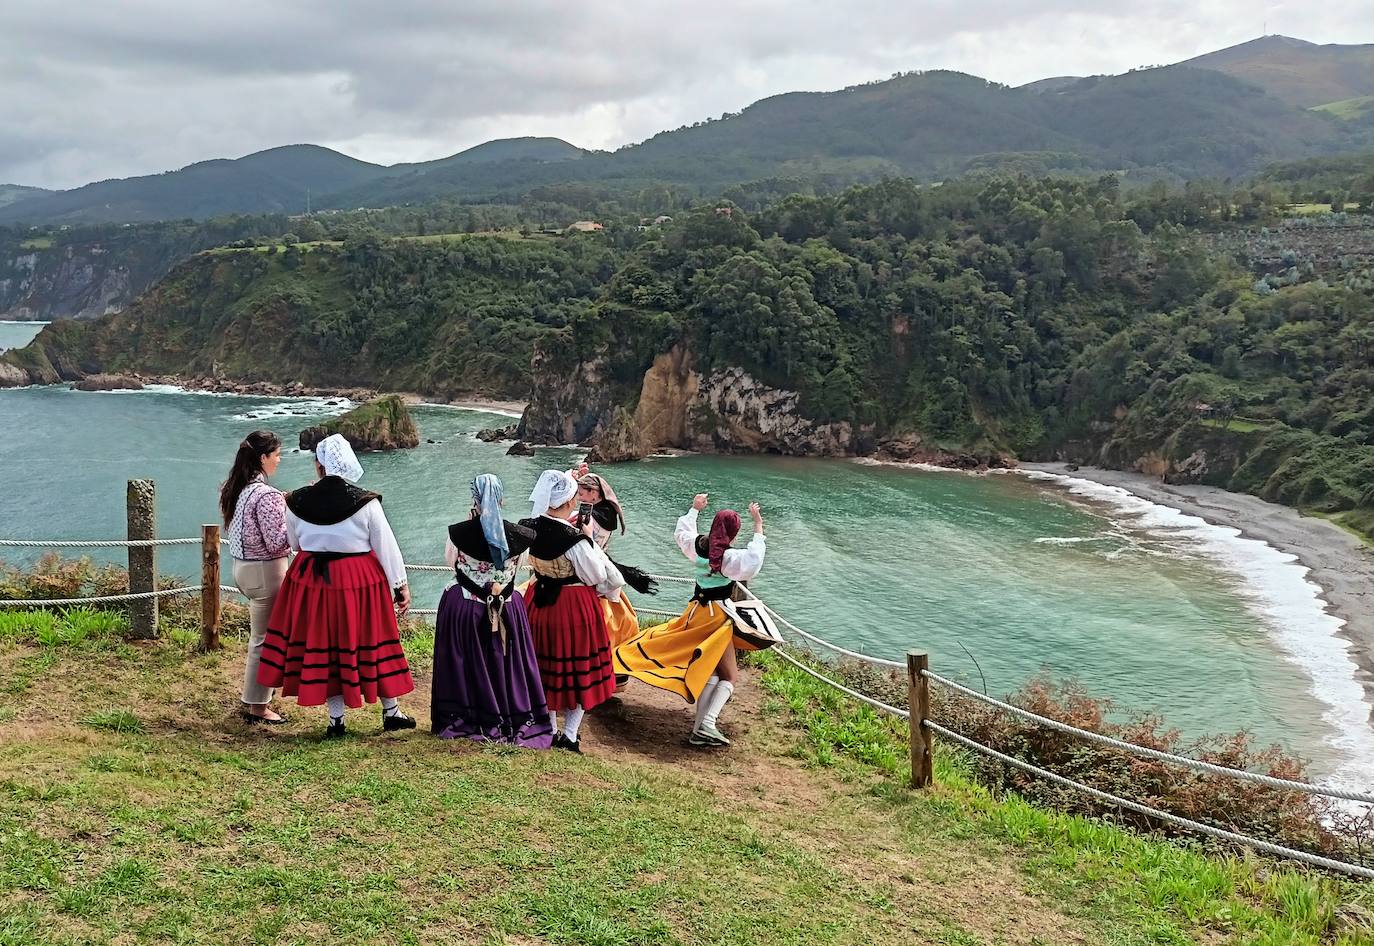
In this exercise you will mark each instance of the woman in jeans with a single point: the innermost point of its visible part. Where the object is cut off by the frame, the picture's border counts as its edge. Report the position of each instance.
(256, 516)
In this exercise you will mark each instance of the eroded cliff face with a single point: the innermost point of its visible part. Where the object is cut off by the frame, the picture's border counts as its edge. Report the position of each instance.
(83, 281)
(726, 411)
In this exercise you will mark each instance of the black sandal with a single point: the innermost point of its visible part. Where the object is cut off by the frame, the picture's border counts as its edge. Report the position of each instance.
(251, 718)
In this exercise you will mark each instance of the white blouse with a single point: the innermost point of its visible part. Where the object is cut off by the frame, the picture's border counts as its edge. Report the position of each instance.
(738, 565)
(594, 568)
(365, 530)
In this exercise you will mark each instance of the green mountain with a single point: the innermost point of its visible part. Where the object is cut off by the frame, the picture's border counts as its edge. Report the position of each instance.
(503, 159)
(11, 193)
(272, 181)
(1223, 115)
(1299, 73)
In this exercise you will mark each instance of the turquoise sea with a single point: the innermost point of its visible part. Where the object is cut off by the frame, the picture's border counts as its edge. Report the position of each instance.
(1000, 577)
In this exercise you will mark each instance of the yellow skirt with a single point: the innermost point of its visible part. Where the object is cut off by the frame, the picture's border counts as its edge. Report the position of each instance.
(622, 623)
(681, 655)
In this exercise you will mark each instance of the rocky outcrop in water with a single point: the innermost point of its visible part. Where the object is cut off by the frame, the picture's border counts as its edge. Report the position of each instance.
(494, 434)
(108, 382)
(383, 424)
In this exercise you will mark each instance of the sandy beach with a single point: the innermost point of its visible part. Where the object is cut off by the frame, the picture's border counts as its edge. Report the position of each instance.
(1337, 561)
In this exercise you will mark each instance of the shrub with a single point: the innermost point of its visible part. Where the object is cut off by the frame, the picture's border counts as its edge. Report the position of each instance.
(1294, 819)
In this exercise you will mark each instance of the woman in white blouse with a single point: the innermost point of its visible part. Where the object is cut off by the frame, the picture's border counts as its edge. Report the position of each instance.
(567, 622)
(693, 655)
(333, 636)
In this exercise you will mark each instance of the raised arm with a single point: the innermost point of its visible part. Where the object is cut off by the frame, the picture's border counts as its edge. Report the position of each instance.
(685, 535)
(746, 563)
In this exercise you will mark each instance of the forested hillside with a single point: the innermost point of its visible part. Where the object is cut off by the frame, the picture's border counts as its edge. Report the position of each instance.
(997, 316)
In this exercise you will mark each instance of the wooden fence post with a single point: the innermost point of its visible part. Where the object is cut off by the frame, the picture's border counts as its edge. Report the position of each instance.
(141, 508)
(918, 703)
(209, 587)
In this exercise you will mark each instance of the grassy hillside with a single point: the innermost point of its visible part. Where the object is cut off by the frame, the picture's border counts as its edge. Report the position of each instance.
(135, 807)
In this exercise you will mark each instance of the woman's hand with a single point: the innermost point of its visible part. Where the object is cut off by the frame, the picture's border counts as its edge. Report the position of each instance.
(699, 503)
(403, 599)
(756, 514)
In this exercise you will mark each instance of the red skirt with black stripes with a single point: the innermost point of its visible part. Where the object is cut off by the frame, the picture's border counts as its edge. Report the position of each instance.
(333, 631)
(572, 647)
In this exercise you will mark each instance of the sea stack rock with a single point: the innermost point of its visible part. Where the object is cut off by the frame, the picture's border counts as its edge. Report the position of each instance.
(520, 449)
(108, 382)
(382, 424)
(493, 434)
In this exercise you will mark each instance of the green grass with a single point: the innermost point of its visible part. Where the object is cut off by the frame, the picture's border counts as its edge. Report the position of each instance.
(1348, 109)
(1302, 210)
(1238, 424)
(134, 808)
(1169, 890)
(36, 243)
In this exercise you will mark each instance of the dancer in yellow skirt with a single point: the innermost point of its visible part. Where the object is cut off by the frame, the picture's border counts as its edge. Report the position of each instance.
(693, 655)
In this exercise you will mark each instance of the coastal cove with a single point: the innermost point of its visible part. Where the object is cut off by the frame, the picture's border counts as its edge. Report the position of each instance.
(1023, 575)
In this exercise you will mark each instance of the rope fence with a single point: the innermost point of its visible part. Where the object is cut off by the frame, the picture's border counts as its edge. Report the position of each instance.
(919, 677)
(1316, 860)
(97, 599)
(94, 543)
(1145, 752)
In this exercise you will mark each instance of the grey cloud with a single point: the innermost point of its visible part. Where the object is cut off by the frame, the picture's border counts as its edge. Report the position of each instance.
(95, 89)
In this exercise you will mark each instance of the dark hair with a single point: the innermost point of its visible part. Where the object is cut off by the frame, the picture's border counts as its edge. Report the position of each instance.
(247, 464)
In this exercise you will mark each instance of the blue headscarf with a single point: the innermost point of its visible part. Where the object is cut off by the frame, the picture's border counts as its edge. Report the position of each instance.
(487, 494)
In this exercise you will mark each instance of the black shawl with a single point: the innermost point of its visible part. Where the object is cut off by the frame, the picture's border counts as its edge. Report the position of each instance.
(329, 501)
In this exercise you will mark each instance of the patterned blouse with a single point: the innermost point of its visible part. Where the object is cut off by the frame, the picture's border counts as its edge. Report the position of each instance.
(257, 533)
(481, 572)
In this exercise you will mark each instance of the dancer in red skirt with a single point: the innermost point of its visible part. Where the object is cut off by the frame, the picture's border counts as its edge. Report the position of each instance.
(333, 637)
(566, 618)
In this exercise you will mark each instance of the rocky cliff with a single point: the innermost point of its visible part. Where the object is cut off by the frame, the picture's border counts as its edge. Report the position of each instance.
(723, 411)
(80, 281)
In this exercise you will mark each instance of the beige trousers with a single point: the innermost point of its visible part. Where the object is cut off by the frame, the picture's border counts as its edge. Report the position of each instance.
(259, 581)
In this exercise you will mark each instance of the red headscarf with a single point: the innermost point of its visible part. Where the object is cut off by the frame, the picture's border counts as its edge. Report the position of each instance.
(724, 528)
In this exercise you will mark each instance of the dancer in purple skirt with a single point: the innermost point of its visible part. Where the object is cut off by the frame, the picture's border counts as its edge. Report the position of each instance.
(486, 679)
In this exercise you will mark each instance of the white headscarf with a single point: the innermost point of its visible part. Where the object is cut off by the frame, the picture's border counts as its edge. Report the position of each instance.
(336, 455)
(555, 487)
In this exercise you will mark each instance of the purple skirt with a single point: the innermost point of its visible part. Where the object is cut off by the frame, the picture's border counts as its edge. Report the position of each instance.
(482, 691)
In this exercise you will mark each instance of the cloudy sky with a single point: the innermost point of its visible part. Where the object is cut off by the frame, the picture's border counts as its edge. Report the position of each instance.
(95, 89)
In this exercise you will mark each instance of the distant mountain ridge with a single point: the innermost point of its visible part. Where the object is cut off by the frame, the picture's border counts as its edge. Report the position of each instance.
(1222, 115)
(11, 193)
(1300, 73)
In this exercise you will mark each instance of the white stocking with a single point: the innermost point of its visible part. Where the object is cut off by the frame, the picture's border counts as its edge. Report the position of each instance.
(719, 697)
(703, 698)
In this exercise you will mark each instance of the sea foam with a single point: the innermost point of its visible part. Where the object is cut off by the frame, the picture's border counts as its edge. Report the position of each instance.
(1277, 590)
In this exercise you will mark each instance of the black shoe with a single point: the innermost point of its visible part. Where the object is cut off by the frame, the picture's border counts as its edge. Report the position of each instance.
(561, 741)
(397, 720)
(335, 730)
(254, 718)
